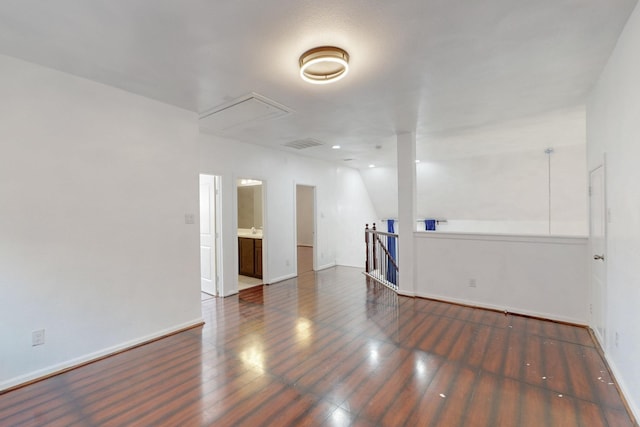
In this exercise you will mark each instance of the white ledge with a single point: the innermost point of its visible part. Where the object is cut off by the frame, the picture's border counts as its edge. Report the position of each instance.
(525, 238)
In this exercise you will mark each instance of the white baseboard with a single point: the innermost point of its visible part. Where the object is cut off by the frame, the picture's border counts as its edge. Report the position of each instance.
(618, 378)
(513, 310)
(346, 264)
(405, 293)
(88, 358)
(282, 278)
(231, 293)
(324, 267)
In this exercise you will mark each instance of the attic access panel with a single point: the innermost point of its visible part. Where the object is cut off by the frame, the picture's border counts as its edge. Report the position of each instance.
(242, 112)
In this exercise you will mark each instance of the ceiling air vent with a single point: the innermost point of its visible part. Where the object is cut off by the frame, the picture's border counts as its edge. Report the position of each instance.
(301, 144)
(242, 112)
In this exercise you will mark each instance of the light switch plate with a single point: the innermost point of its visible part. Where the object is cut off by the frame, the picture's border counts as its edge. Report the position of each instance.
(37, 337)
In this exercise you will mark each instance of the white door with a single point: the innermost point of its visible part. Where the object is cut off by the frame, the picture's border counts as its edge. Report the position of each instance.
(597, 240)
(208, 234)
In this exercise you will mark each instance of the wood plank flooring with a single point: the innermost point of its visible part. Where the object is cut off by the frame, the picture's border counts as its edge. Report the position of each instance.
(330, 349)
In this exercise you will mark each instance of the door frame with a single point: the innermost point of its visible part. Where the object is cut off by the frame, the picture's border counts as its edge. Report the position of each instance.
(295, 224)
(604, 338)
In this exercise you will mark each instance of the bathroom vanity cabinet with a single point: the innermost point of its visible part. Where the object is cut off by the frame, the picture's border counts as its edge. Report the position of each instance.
(250, 256)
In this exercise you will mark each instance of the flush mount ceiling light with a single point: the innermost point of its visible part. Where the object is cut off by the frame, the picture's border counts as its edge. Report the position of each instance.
(322, 65)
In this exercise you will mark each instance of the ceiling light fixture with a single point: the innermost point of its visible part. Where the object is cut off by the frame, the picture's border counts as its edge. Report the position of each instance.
(336, 147)
(322, 65)
(372, 165)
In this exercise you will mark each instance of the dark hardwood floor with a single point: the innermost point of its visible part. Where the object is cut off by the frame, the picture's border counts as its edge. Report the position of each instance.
(331, 349)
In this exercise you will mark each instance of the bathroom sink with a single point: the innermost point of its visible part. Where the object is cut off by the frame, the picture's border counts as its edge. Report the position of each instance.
(247, 232)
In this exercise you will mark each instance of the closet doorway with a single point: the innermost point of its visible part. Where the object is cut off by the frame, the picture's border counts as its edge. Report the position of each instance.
(305, 228)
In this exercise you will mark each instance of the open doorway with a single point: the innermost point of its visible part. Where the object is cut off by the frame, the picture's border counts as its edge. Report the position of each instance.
(250, 232)
(305, 228)
(209, 235)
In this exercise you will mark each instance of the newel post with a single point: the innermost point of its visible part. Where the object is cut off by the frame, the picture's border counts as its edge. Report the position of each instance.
(375, 245)
(366, 241)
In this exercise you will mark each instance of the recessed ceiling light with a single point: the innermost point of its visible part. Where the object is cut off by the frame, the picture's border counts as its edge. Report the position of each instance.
(335, 147)
(417, 161)
(322, 65)
(372, 166)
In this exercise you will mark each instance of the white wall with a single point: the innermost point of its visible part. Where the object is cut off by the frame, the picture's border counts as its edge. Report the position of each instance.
(613, 128)
(534, 275)
(354, 209)
(495, 179)
(507, 192)
(280, 172)
(382, 185)
(94, 186)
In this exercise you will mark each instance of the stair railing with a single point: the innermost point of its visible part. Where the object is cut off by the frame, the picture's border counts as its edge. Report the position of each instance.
(381, 262)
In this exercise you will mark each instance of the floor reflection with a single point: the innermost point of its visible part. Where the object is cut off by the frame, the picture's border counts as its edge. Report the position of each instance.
(382, 308)
(331, 349)
(254, 295)
(304, 331)
(253, 357)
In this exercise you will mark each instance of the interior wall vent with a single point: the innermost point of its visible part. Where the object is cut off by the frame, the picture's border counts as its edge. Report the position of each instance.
(301, 144)
(242, 112)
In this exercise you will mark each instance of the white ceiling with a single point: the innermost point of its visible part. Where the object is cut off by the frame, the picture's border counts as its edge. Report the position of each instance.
(430, 66)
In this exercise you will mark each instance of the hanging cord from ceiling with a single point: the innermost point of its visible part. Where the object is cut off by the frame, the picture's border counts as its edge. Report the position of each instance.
(548, 152)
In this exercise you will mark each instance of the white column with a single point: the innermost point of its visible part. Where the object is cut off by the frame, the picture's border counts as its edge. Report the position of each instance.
(406, 159)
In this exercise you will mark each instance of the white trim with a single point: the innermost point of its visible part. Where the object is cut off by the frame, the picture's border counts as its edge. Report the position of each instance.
(406, 293)
(236, 292)
(524, 238)
(88, 358)
(513, 310)
(295, 228)
(282, 278)
(217, 238)
(265, 233)
(350, 265)
(622, 386)
(325, 266)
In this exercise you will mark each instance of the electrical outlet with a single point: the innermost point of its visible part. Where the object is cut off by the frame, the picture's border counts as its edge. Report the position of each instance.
(189, 218)
(617, 339)
(287, 263)
(472, 283)
(37, 337)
